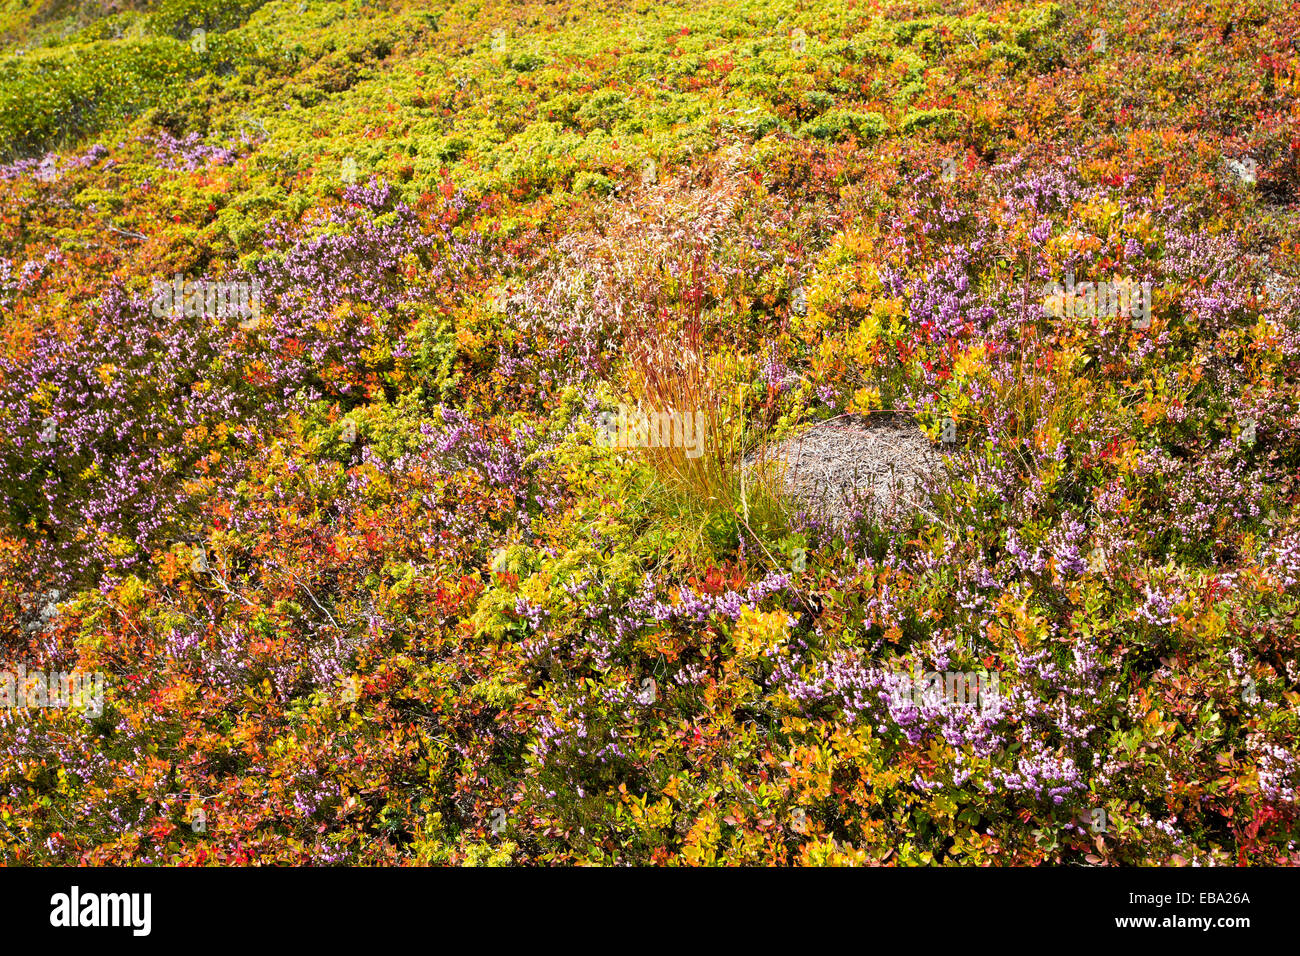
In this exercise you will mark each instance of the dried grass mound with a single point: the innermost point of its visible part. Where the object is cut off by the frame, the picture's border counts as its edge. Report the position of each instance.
(853, 463)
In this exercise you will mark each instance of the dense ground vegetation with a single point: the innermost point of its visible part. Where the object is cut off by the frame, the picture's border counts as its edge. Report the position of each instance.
(364, 584)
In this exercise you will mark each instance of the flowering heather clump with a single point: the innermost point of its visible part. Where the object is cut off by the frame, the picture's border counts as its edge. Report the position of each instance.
(370, 584)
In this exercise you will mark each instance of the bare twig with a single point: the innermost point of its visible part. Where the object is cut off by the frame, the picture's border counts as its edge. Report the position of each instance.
(127, 232)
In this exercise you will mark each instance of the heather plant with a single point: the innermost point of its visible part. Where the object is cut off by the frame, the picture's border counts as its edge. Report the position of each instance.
(104, 428)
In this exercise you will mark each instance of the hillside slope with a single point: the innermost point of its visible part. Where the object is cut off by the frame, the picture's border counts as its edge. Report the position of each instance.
(366, 582)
